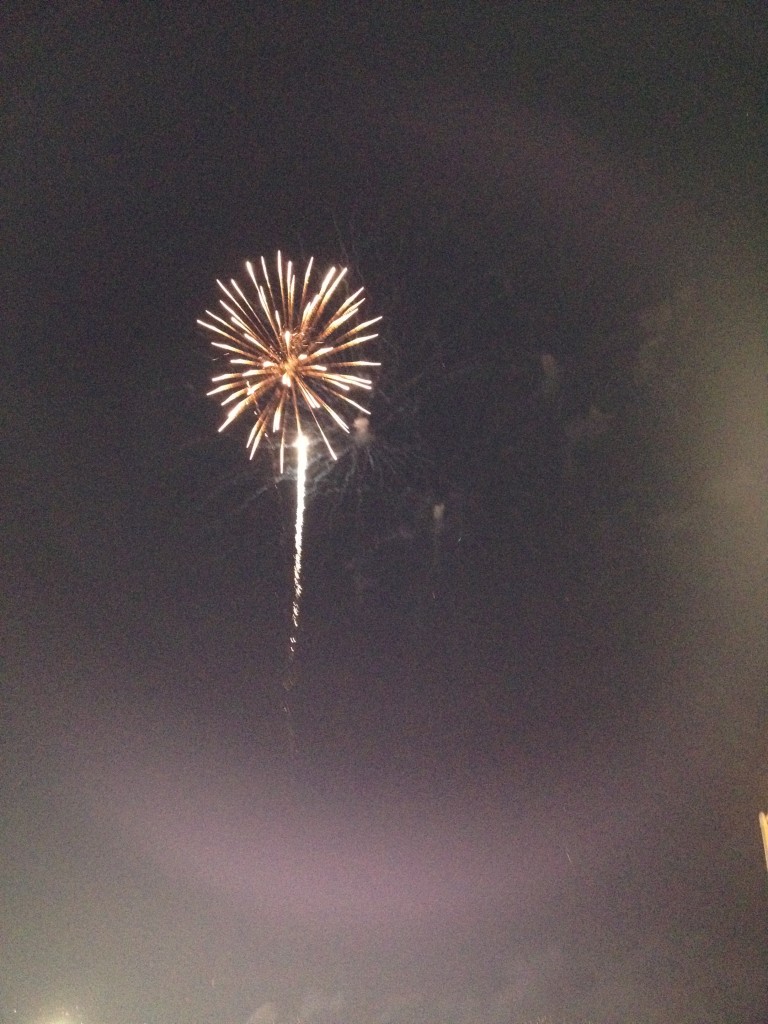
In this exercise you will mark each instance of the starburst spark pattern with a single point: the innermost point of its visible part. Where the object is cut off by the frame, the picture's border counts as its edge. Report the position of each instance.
(288, 352)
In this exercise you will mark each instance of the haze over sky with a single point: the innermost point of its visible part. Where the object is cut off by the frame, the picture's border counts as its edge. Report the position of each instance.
(531, 699)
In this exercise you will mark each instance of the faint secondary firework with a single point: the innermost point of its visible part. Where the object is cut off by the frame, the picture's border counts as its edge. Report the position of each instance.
(293, 358)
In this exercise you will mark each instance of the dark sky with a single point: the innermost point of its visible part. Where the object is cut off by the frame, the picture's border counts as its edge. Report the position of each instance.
(530, 731)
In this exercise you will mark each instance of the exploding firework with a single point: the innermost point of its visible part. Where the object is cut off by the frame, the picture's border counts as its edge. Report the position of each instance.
(289, 357)
(288, 354)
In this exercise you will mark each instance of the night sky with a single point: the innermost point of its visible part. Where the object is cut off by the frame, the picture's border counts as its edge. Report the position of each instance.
(530, 707)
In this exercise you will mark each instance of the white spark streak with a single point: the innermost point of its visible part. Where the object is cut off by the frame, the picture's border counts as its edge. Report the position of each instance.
(302, 446)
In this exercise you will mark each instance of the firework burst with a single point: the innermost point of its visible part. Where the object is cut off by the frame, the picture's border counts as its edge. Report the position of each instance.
(289, 350)
(289, 356)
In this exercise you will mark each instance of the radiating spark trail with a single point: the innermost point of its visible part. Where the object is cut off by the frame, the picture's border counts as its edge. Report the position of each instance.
(290, 362)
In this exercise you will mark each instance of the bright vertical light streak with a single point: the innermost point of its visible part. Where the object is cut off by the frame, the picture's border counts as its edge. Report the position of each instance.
(302, 445)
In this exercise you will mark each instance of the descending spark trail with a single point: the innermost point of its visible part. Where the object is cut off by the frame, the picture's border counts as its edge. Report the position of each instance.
(302, 446)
